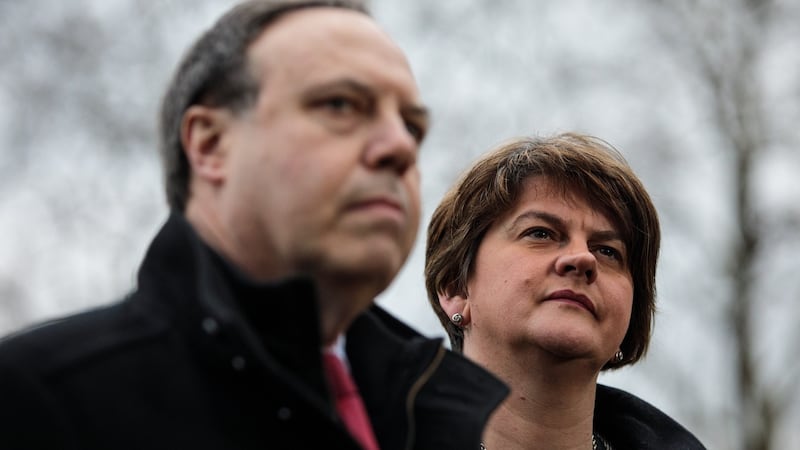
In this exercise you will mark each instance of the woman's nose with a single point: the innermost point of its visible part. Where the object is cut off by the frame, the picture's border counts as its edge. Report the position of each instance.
(577, 262)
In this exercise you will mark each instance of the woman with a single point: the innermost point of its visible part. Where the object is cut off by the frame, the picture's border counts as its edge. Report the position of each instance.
(541, 265)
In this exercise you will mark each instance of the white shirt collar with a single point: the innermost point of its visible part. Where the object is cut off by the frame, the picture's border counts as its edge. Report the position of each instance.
(338, 349)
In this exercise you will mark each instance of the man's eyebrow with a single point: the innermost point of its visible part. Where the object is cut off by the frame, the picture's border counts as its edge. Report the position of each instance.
(417, 111)
(347, 83)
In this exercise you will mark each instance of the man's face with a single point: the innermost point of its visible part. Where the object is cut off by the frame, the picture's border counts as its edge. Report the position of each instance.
(320, 174)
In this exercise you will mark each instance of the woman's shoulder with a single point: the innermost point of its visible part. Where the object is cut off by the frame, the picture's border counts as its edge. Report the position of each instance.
(627, 421)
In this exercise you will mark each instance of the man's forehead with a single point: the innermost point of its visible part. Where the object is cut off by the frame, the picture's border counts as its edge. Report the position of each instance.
(317, 44)
(321, 24)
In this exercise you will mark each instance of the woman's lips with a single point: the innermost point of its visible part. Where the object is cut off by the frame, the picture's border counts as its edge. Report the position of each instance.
(567, 295)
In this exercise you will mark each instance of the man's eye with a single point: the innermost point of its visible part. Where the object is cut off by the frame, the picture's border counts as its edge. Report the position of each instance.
(416, 131)
(340, 104)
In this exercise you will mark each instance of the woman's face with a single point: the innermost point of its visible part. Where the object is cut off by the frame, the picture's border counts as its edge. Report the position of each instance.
(550, 276)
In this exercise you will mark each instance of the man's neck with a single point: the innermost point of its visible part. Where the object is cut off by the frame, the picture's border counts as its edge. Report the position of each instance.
(339, 304)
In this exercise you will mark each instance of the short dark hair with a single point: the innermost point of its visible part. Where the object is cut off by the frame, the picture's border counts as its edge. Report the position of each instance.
(215, 72)
(491, 187)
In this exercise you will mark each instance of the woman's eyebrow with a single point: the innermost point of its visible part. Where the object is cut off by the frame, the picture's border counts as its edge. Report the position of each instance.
(606, 235)
(552, 219)
(557, 222)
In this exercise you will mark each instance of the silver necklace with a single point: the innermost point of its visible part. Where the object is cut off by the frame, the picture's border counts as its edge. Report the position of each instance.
(594, 443)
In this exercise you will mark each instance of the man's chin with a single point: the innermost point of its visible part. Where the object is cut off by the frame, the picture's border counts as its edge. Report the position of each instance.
(373, 260)
(373, 269)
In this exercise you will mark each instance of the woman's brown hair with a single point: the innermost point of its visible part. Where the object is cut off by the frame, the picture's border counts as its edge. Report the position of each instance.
(579, 164)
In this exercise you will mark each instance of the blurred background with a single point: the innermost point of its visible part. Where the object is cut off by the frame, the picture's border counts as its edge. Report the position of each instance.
(701, 96)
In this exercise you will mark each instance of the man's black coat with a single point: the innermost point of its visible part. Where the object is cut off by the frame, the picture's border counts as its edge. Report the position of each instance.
(197, 357)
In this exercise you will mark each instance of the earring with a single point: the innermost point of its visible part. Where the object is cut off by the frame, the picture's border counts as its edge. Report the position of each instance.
(618, 356)
(457, 319)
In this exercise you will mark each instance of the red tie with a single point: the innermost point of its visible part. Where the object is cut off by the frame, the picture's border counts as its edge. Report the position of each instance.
(348, 402)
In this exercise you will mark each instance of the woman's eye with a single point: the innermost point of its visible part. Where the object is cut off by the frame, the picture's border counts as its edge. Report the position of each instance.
(539, 233)
(610, 252)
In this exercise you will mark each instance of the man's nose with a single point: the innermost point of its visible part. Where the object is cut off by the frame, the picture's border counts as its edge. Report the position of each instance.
(392, 146)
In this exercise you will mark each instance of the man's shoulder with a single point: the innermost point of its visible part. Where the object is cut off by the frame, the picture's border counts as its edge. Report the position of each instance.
(64, 342)
(401, 342)
(378, 335)
(392, 324)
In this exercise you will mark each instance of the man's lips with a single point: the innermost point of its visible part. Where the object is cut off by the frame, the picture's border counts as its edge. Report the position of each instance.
(379, 205)
(567, 295)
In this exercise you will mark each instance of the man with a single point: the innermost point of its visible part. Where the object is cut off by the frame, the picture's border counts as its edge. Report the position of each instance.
(290, 135)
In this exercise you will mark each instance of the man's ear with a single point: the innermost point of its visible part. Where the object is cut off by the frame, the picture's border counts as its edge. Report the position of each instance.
(452, 304)
(202, 129)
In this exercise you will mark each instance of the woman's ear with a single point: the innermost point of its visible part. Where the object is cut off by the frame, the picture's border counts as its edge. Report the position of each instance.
(202, 129)
(455, 304)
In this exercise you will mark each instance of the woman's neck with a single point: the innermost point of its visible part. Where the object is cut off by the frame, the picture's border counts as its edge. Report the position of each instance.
(551, 404)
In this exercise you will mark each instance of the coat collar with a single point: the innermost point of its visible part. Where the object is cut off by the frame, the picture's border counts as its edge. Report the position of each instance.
(235, 320)
(413, 388)
(627, 421)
